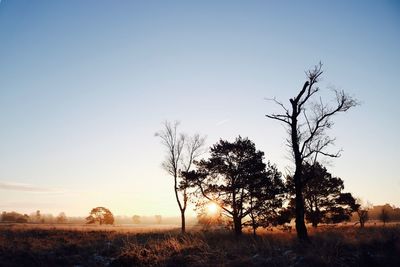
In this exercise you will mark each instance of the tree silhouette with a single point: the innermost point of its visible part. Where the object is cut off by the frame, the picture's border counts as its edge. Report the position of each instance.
(136, 219)
(38, 217)
(384, 215)
(235, 178)
(158, 219)
(100, 215)
(61, 218)
(181, 152)
(307, 122)
(266, 197)
(362, 211)
(362, 216)
(14, 217)
(323, 197)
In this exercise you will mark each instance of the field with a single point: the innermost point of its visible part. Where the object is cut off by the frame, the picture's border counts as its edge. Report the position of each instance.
(33, 245)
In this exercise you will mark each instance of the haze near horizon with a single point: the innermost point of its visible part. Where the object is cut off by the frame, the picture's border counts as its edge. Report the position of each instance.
(85, 85)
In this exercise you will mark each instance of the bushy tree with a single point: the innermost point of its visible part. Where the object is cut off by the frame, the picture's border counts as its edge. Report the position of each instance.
(266, 198)
(324, 200)
(235, 178)
(100, 215)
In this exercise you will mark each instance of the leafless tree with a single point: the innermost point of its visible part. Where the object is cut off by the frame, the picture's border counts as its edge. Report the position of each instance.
(362, 210)
(181, 150)
(307, 120)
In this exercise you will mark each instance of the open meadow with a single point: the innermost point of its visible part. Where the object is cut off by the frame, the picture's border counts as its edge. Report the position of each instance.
(78, 245)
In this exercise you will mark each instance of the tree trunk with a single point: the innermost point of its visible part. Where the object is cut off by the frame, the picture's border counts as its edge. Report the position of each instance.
(182, 209)
(237, 225)
(300, 225)
(315, 218)
(183, 222)
(254, 226)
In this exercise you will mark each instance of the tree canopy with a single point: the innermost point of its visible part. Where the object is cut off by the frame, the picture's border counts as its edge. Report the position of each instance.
(324, 200)
(235, 177)
(101, 216)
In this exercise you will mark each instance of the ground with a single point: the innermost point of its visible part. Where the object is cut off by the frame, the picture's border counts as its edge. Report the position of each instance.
(72, 245)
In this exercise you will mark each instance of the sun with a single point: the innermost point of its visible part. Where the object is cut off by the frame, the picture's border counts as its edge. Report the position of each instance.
(212, 208)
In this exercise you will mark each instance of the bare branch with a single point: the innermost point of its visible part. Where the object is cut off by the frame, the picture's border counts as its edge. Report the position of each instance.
(280, 104)
(279, 118)
(323, 114)
(307, 134)
(181, 152)
(194, 148)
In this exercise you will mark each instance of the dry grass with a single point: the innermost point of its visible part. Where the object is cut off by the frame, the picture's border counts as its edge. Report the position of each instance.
(27, 245)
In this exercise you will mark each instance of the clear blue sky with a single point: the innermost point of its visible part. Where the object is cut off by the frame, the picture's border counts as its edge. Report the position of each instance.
(84, 85)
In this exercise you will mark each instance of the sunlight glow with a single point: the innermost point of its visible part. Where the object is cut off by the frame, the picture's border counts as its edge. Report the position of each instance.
(212, 208)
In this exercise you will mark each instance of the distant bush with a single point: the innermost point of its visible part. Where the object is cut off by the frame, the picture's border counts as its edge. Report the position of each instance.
(136, 219)
(14, 217)
(61, 218)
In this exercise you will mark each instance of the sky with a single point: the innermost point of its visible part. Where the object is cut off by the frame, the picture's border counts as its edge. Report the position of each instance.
(84, 86)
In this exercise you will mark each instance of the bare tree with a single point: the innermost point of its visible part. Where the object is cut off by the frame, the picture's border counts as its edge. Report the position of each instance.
(307, 121)
(181, 152)
(362, 210)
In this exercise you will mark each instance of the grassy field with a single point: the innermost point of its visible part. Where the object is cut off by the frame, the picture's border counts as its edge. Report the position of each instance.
(74, 245)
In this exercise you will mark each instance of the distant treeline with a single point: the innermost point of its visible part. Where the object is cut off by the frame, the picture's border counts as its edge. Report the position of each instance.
(375, 213)
(35, 217)
(62, 218)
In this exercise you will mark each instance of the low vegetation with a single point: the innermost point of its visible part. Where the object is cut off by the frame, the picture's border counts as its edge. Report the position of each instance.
(22, 245)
